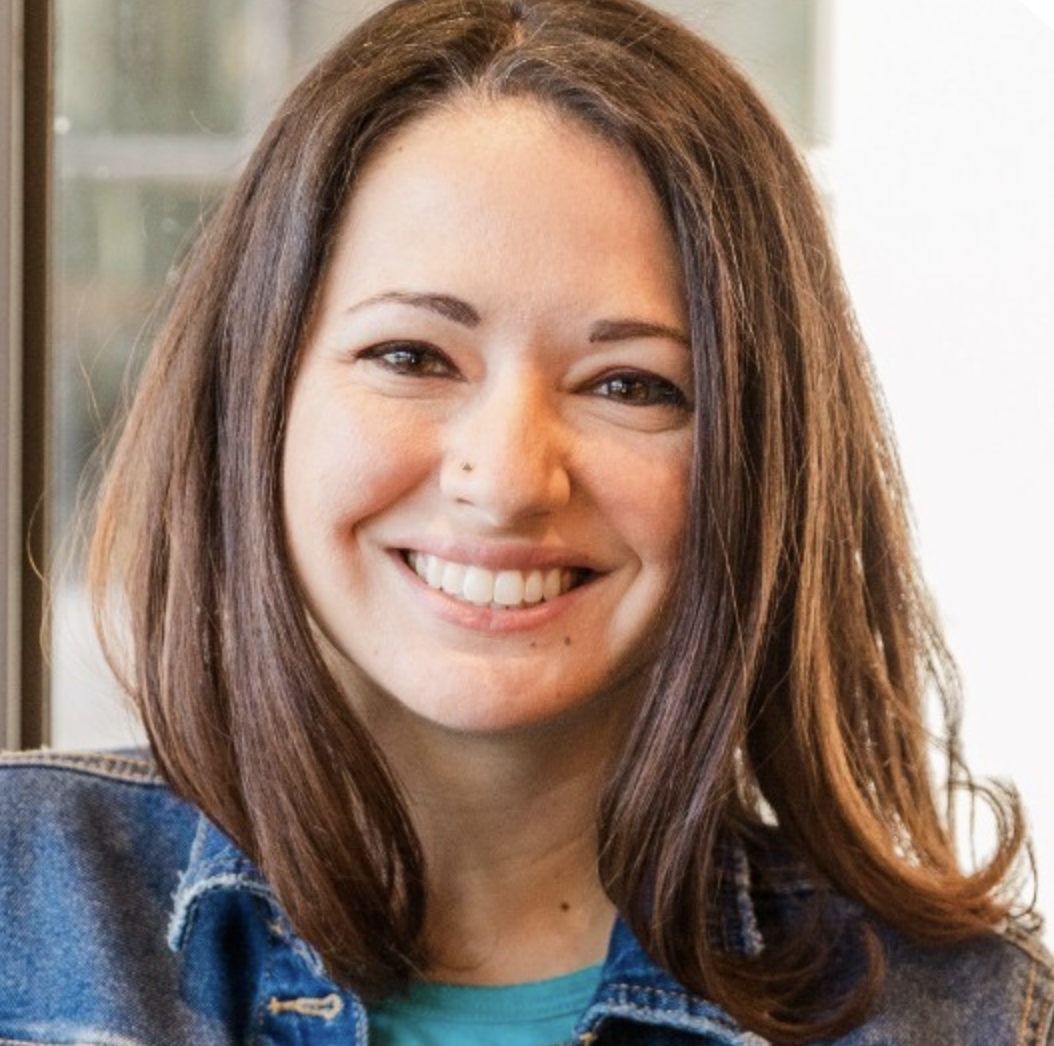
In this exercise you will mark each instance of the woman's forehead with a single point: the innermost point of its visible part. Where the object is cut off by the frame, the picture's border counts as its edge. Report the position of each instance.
(514, 211)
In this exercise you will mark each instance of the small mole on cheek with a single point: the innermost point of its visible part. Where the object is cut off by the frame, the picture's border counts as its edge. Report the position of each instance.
(533, 644)
(564, 906)
(567, 640)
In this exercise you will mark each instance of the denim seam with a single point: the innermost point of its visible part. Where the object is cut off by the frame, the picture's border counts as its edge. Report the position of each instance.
(626, 986)
(1044, 1020)
(106, 1040)
(223, 871)
(686, 1000)
(226, 867)
(40, 1042)
(126, 769)
(185, 915)
(1043, 1009)
(1034, 1026)
(1024, 1028)
(712, 1023)
(263, 987)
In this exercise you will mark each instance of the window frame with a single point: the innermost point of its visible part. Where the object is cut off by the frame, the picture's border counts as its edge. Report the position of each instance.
(25, 216)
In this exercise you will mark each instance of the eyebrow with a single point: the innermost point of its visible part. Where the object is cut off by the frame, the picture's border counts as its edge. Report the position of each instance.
(445, 305)
(459, 310)
(625, 330)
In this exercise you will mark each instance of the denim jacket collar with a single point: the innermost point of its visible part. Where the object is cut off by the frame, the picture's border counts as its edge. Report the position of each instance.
(215, 866)
(632, 986)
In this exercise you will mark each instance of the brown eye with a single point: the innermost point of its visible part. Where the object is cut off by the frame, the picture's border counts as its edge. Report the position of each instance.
(413, 359)
(641, 390)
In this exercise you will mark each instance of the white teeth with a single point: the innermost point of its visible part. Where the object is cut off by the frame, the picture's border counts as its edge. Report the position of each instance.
(502, 588)
(433, 572)
(454, 578)
(533, 587)
(508, 588)
(478, 586)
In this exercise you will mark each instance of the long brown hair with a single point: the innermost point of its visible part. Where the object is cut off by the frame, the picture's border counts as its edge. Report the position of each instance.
(790, 687)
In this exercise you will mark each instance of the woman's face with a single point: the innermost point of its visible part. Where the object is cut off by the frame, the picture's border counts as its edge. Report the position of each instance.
(488, 448)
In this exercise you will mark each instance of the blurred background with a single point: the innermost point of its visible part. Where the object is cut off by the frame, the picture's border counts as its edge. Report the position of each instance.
(929, 125)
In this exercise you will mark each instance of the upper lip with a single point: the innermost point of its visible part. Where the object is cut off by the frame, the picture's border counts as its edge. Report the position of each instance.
(497, 556)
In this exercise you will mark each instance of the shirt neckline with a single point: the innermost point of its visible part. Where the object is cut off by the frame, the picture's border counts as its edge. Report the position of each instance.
(562, 996)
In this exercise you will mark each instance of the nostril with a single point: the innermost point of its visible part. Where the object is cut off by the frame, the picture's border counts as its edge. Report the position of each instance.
(504, 487)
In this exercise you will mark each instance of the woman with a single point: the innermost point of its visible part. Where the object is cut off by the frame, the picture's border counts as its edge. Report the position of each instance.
(514, 567)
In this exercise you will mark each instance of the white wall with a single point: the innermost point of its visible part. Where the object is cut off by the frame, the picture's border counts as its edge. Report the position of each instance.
(941, 169)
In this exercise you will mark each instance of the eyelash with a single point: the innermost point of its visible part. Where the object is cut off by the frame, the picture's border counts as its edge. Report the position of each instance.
(641, 389)
(635, 388)
(418, 359)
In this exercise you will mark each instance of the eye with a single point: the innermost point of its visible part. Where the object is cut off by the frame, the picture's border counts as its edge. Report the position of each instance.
(410, 358)
(640, 389)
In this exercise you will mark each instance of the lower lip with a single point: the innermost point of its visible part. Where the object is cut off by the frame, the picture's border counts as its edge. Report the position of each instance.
(487, 619)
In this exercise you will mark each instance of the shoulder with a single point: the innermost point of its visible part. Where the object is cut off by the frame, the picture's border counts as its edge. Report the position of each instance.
(92, 850)
(130, 766)
(99, 826)
(64, 799)
(127, 918)
(84, 823)
(996, 990)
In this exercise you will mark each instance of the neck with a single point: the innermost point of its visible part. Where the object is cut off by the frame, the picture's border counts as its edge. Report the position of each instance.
(508, 826)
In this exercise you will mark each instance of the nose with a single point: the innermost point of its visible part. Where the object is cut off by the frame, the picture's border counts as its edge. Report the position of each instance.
(506, 453)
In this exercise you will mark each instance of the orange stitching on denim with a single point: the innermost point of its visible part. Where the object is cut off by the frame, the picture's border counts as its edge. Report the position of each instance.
(328, 1007)
(105, 764)
(1043, 1014)
(76, 1042)
(1023, 1027)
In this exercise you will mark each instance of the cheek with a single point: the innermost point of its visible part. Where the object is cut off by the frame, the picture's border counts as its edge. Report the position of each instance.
(662, 529)
(645, 498)
(344, 463)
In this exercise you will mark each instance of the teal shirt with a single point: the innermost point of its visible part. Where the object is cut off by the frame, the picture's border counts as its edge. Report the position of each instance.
(540, 1013)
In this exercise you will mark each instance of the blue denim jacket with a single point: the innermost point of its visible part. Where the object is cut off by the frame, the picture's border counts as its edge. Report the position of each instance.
(127, 919)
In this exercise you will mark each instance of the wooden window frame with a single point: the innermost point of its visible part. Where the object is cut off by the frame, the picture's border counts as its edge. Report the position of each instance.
(25, 221)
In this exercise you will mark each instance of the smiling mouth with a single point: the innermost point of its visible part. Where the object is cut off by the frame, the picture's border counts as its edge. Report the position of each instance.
(500, 589)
